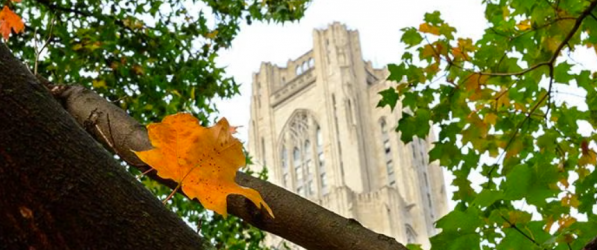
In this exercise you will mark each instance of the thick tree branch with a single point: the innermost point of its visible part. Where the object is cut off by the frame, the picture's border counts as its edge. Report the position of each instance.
(297, 219)
(60, 190)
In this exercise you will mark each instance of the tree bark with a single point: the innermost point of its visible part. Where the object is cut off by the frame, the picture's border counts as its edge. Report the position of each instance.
(59, 189)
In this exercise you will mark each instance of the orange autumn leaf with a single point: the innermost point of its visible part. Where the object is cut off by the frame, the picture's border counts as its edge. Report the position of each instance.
(202, 160)
(10, 21)
(524, 25)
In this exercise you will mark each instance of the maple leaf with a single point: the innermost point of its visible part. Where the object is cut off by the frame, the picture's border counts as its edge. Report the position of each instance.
(9, 20)
(524, 25)
(588, 156)
(202, 160)
(426, 28)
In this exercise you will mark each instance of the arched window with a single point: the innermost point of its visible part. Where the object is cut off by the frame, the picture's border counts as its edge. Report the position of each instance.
(305, 66)
(311, 62)
(411, 236)
(385, 138)
(302, 138)
(298, 70)
(284, 158)
(283, 81)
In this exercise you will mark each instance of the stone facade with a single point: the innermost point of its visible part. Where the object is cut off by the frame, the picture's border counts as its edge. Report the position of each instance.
(315, 126)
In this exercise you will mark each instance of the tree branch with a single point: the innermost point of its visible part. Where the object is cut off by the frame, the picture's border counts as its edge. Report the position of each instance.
(297, 219)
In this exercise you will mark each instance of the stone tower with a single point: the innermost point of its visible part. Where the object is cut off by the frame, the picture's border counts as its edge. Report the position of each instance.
(315, 126)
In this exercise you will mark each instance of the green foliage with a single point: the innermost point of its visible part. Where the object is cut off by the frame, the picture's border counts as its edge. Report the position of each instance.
(152, 58)
(496, 105)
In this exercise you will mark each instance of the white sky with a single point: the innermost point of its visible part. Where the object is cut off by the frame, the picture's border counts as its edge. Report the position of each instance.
(378, 22)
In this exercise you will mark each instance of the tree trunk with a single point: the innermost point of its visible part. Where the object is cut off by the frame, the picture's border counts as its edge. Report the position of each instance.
(59, 189)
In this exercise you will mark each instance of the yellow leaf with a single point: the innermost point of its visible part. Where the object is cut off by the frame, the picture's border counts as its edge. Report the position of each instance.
(574, 201)
(564, 181)
(93, 46)
(428, 51)
(474, 81)
(98, 84)
(490, 118)
(466, 44)
(565, 222)
(503, 99)
(432, 68)
(514, 148)
(524, 25)
(552, 43)
(212, 35)
(588, 158)
(582, 172)
(505, 12)
(548, 223)
(203, 161)
(138, 70)
(426, 28)
(77, 46)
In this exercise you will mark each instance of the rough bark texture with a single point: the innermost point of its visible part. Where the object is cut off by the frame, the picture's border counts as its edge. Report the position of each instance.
(59, 189)
(297, 219)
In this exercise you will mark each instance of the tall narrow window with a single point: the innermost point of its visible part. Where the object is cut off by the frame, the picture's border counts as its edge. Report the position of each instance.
(321, 160)
(298, 171)
(284, 158)
(385, 137)
(308, 153)
(263, 151)
(309, 168)
(298, 70)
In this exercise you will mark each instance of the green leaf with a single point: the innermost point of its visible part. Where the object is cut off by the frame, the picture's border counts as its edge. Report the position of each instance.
(411, 37)
(417, 125)
(397, 72)
(411, 246)
(518, 182)
(389, 97)
(488, 197)
(433, 18)
(561, 74)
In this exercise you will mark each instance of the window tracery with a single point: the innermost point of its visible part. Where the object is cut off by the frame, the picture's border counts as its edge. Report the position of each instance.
(308, 166)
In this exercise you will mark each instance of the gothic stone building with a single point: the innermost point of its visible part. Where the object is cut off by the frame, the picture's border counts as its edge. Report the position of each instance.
(315, 126)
